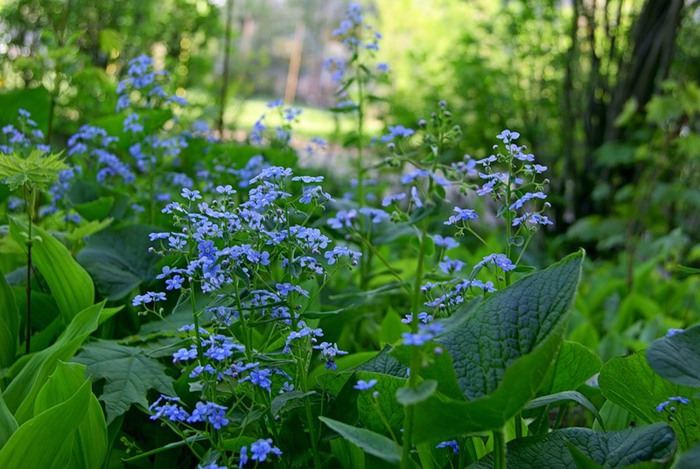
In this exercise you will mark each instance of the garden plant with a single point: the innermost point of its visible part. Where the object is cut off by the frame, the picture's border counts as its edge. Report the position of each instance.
(174, 297)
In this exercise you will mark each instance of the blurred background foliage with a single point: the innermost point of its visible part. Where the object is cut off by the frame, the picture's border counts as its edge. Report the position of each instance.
(605, 92)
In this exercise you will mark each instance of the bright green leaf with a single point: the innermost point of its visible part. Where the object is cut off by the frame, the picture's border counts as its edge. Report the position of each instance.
(8, 424)
(372, 443)
(575, 364)
(632, 384)
(70, 284)
(9, 324)
(46, 440)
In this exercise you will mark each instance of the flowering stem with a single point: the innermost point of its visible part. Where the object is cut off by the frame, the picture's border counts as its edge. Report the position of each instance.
(195, 319)
(415, 351)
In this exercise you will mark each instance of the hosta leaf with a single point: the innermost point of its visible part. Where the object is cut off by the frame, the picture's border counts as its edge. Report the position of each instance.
(677, 358)
(46, 439)
(501, 353)
(653, 443)
(118, 259)
(71, 286)
(372, 443)
(129, 375)
(9, 324)
(30, 373)
(90, 444)
(632, 384)
(8, 424)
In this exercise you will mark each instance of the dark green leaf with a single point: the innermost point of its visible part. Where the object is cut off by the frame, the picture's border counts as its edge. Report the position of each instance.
(372, 443)
(611, 450)
(384, 363)
(501, 353)
(677, 358)
(689, 459)
(118, 259)
(9, 324)
(575, 364)
(386, 388)
(130, 374)
(562, 398)
(281, 401)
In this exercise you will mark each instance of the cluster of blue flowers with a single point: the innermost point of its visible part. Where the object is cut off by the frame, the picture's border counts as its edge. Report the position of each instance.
(25, 137)
(146, 85)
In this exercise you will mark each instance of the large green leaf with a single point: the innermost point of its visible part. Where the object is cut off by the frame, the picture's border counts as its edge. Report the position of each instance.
(565, 397)
(689, 459)
(118, 259)
(501, 353)
(8, 424)
(90, 446)
(9, 324)
(46, 440)
(632, 384)
(677, 358)
(372, 443)
(386, 387)
(30, 374)
(611, 450)
(575, 364)
(129, 375)
(70, 284)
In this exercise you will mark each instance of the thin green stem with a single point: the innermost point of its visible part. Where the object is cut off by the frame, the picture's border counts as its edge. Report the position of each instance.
(195, 319)
(499, 449)
(29, 200)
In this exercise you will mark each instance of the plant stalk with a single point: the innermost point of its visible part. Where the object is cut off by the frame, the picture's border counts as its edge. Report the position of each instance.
(499, 449)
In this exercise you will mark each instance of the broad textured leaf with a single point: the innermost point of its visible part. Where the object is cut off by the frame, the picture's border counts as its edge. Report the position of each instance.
(372, 443)
(386, 386)
(565, 397)
(129, 375)
(9, 324)
(677, 358)
(384, 363)
(611, 450)
(90, 444)
(501, 353)
(8, 424)
(632, 384)
(689, 459)
(118, 259)
(31, 373)
(575, 364)
(70, 284)
(46, 440)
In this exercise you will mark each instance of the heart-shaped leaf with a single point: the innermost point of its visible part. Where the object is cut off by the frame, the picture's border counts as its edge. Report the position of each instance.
(677, 358)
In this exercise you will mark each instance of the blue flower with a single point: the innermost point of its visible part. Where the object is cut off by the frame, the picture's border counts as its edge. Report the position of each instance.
(664, 404)
(461, 215)
(449, 444)
(261, 449)
(672, 332)
(365, 385)
(185, 354)
(396, 131)
(392, 198)
(446, 242)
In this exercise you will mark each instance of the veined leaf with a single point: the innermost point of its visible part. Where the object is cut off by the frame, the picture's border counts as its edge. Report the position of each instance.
(36, 170)
(501, 353)
(129, 372)
(677, 358)
(653, 443)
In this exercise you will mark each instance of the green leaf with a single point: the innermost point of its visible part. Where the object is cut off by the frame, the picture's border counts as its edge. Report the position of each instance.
(501, 353)
(97, 209)
(408, 396)
(562, 398)
(654, 443)
(71, 286)
(8, 424)
(392, 327)
(383, 363)
(282, 401)
(46, 440)
(31, 373)
(349, 455)
(632, 384)
(575, 364)
(118, 259)
(689, 459)
(372, 443)
(9, 324)
(37, 170)
(129, 372)
(90, 447)
(386, 387)
(677, 358)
